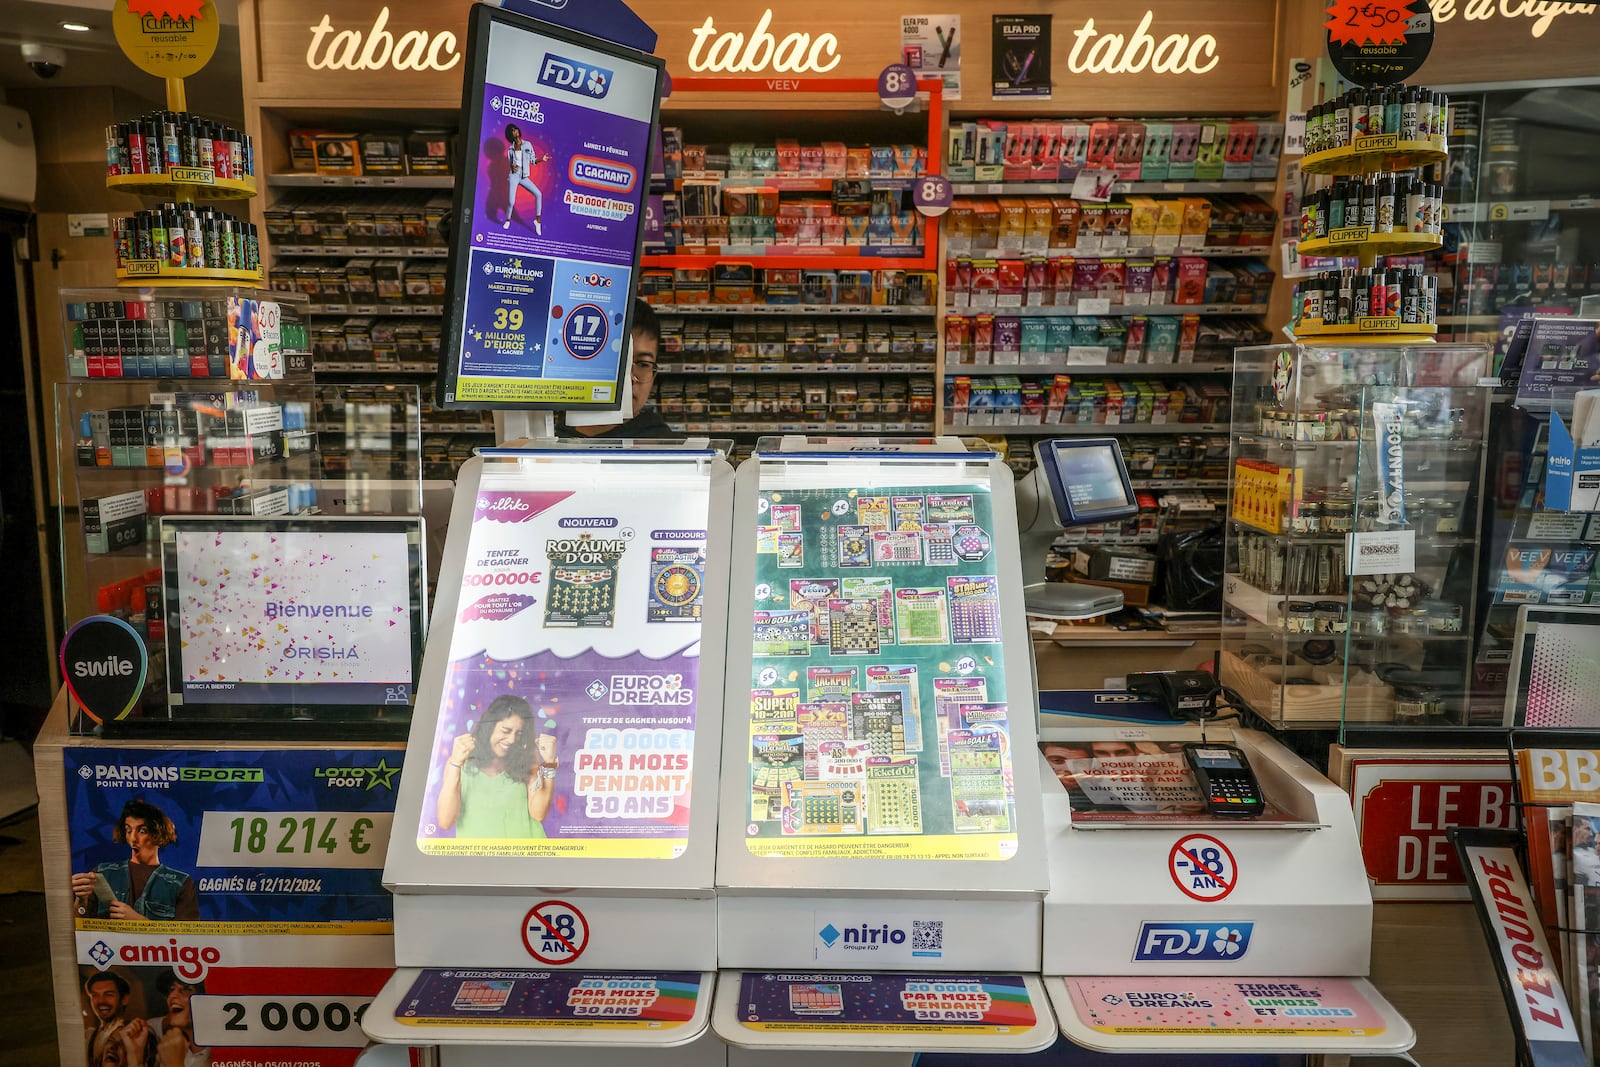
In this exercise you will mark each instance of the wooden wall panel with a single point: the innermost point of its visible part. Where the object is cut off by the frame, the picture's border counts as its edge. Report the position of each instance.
(1245, 78)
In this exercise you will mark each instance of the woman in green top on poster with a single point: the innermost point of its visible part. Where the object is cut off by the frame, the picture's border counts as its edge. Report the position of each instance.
(499, 779)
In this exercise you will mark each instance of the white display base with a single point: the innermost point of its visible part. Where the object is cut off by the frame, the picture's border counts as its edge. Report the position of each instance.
(741, 1057)
(1392, 1037)
(1300, 896)
(860, 1038)
(706, 1051)
(623, 1045)
(780, 931)
(628, 930)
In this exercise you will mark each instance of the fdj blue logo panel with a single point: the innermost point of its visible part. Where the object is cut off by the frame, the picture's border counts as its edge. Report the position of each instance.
(1207, 942)
(561, 73)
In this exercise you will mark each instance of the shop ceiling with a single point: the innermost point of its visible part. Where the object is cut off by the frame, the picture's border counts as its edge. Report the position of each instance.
(93, 58)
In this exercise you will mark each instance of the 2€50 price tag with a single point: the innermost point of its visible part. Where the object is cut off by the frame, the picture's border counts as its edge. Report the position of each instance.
(279, 1022)
(334, 840)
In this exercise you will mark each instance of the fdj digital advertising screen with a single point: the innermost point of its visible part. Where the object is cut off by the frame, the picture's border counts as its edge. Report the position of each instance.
(878, 726)
(548, 217)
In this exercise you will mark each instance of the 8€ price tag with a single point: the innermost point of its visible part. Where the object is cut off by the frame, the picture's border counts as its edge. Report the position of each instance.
(897, 86)
(295, 839)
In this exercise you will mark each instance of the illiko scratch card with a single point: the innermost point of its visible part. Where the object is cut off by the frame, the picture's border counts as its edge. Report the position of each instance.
(783, 633)
(919, 617)
(821, 722)
(791, 549)
(855, 545)
(774, 709)
(948, 696)
(902, 679)
(991, 719)
(894, 799)
(853, 627)
(971, 543)
(879, 720)
(830, 682)
(938, 547)
(948, 508)
(974, 609)
(907, 512)
(977, 783)
(863, 587)
(766, 539)
(677, 585)
(873, 512)
(837, 760)
(786, 517)
(897, 547)
(775, 761)
(813, 595)
(583, 582)
(823, 808)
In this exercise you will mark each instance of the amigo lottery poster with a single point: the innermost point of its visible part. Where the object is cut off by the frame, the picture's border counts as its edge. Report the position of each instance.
(877, 722)
(567, 722)
(560, 166)
(215, 893)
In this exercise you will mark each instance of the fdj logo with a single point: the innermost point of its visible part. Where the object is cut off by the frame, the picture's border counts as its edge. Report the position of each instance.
(1209, 942)
(575, 77)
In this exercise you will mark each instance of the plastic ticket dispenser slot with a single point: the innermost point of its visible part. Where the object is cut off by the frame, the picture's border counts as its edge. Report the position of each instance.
(1169, 930)
(880, 868)
(552, 852)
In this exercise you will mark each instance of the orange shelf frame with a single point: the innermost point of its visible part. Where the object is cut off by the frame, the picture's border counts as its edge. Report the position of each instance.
(845, 258)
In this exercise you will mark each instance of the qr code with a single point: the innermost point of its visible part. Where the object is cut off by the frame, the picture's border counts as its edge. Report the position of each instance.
(927, 935)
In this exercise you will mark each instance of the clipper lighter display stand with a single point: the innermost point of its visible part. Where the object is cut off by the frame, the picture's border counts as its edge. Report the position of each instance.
(878, 821)
(1168, 930)
(552, 851)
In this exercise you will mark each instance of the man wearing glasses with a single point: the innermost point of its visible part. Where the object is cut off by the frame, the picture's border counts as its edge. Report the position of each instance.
(646, 421)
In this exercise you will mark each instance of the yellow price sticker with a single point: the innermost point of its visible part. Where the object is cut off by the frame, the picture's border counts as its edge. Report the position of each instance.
(1498, 211)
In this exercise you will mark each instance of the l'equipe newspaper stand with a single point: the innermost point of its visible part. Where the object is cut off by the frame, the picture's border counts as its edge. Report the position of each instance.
(880, 864)
(556, 887)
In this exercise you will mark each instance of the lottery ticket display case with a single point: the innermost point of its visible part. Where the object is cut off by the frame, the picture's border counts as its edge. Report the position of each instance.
(879, 820)
(552, 858)
(1171, 930)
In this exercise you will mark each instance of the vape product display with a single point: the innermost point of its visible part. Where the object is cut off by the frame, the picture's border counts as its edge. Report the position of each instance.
(224, 337)
(1066, 400)
(1051, 150)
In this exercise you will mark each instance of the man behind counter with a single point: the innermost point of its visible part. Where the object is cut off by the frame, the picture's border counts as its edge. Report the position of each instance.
(646, 421)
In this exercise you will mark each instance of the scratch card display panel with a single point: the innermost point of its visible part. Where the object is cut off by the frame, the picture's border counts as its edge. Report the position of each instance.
(864, 658)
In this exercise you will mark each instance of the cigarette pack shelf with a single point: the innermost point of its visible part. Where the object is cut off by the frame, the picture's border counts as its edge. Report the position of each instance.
(1355, 475)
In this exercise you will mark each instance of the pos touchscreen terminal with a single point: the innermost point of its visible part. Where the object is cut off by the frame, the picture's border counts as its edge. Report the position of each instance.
(1076, 482)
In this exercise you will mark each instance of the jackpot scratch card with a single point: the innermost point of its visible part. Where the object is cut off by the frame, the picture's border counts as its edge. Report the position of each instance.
(901, 679)
(824, 682)
(974, 609)
(677, 585)
(823, 807)
(920, 617)
(855, 545)
(775, 761)
(782, 633)
(853, 627)
(774, 709)
(879, 720)
(977, 783)
(813, 594)
(949, 508)
(894, 799)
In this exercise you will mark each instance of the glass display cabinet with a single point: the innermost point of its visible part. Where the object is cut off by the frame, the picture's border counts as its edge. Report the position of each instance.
(1349, 593)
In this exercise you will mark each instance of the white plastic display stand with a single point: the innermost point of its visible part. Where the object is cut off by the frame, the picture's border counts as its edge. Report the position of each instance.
(892, 846)
(1169, 933)
(588, 579)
